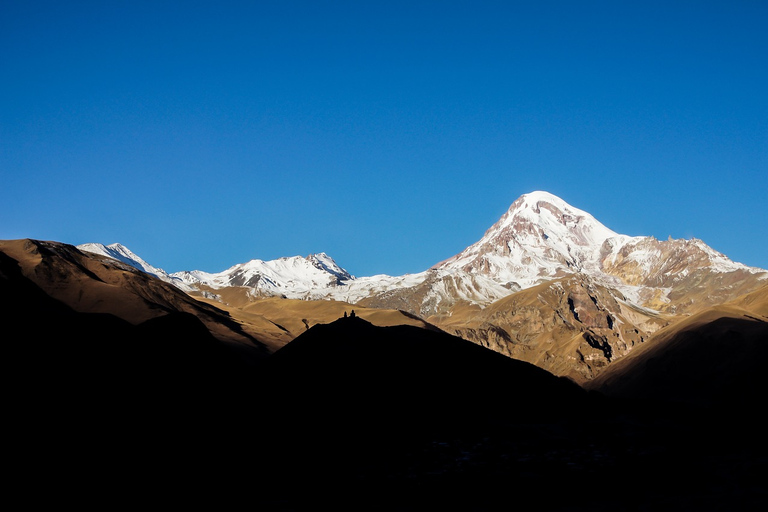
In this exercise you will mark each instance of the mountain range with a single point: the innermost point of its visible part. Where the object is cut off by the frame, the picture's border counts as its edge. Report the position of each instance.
(547, 283)
(540, 238)
(554, 364)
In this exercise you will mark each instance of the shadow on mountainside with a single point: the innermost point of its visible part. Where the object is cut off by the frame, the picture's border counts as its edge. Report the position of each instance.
(716, 364)
(96, 405)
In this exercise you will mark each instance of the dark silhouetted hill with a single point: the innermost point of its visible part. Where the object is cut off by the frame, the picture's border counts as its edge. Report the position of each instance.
(400, 418)
(96, 406)
(357, 370)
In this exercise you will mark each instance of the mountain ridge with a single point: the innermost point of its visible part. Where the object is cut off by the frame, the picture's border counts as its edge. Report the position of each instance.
(539, 238)
(547, 284)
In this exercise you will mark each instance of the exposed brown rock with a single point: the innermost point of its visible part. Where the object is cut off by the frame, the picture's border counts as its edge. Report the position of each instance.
(570, 327)
(714, 356)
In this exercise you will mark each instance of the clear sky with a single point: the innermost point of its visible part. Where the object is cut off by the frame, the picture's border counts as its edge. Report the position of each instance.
(390, 135)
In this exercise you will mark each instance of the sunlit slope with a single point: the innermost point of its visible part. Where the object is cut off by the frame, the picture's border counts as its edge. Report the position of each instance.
(276, 321)
(571, 327)
(717, 355)
(90, 283)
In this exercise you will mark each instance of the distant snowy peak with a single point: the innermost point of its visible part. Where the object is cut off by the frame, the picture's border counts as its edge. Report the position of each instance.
(538, 239)
(556, 219)
(324, 262)
(295, 277)
(120, 252)
(290, 276)
(540, 236)
(540, 221)
(650, 262)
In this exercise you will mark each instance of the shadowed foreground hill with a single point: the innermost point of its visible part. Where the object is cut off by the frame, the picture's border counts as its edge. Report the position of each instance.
(355, 382)
(714, 359)
(96, 407)
(365, 415)
(147, 350)
(400, 418)
(429, 375)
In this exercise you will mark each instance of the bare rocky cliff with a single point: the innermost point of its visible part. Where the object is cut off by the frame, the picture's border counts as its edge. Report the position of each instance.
(571, 327)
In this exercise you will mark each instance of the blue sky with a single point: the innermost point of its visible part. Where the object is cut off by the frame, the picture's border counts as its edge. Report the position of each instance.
(390, 135)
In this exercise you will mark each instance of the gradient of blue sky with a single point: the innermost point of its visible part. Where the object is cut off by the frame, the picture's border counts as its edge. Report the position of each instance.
(388, 134)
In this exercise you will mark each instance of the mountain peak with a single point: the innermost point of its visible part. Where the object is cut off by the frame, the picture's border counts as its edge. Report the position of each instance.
(555, 217)
(539, 237)
(539, 196)
(324, 262)
(121, 253)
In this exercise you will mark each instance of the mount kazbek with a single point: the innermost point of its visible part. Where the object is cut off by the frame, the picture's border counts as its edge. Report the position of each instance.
(547, 283)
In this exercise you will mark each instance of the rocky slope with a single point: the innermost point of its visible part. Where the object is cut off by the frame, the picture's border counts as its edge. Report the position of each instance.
(541, 238)
(92, 284)
(600, 294)
(714, 357)
(572, 326)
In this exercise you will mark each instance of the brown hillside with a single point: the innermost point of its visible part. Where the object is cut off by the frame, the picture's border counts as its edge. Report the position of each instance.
(276, 321)
(89, 283)
(571, 327)
(716, 356)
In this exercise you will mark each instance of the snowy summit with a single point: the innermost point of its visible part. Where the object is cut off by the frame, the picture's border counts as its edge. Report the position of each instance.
(538, 239)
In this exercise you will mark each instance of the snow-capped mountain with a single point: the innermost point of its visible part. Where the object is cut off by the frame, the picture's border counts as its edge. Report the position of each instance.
(547, 284)
(294, 277)
(539, 239)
